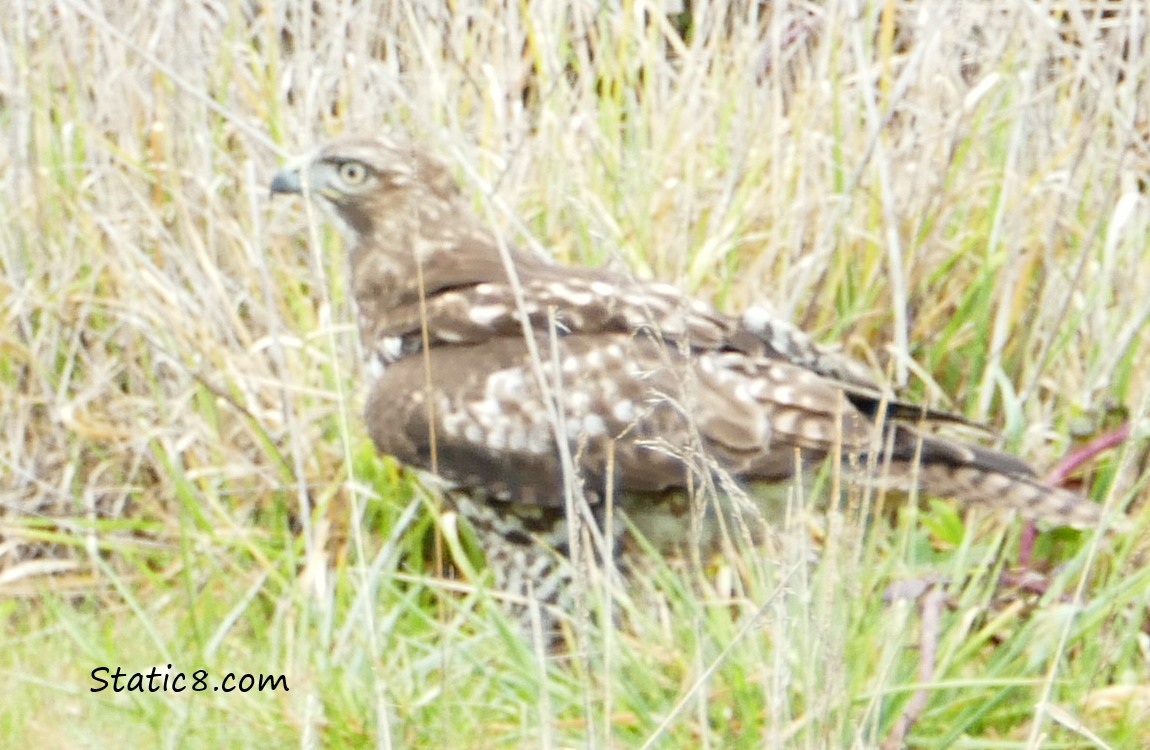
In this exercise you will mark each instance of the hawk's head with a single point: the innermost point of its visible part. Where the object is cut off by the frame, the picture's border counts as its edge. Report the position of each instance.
(361, 179)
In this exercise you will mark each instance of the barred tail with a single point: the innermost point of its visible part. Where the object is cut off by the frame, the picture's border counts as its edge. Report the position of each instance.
(1025, 494)
(977, 475)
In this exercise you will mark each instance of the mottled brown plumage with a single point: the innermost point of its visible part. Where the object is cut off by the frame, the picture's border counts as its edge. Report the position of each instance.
(666, 390)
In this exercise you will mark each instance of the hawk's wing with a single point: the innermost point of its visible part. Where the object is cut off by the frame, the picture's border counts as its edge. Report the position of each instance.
(651, 411)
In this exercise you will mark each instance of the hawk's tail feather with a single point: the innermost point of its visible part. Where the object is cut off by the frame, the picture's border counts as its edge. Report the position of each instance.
(941, 468)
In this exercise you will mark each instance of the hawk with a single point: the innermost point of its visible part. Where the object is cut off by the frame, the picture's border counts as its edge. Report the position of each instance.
(521, 381)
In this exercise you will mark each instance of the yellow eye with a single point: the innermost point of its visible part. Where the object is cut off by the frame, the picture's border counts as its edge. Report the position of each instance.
(352, 172)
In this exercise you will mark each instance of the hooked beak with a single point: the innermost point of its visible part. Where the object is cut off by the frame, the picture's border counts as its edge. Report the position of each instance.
(287, 181)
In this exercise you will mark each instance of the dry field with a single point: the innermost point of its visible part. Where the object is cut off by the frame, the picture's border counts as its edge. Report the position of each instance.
(957, 192)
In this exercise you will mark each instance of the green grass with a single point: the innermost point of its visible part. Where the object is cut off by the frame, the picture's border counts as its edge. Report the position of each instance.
(184, 477)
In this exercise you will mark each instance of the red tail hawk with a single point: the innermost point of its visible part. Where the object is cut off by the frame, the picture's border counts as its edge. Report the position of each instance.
(654, 391)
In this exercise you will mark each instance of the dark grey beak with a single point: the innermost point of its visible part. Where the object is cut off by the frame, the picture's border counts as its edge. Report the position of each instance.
(287, 181)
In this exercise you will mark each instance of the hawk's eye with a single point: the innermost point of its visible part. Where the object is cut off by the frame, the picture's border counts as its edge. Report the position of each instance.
(352, 172)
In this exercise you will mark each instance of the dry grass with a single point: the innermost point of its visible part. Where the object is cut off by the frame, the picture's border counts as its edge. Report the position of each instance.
(956, 193)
